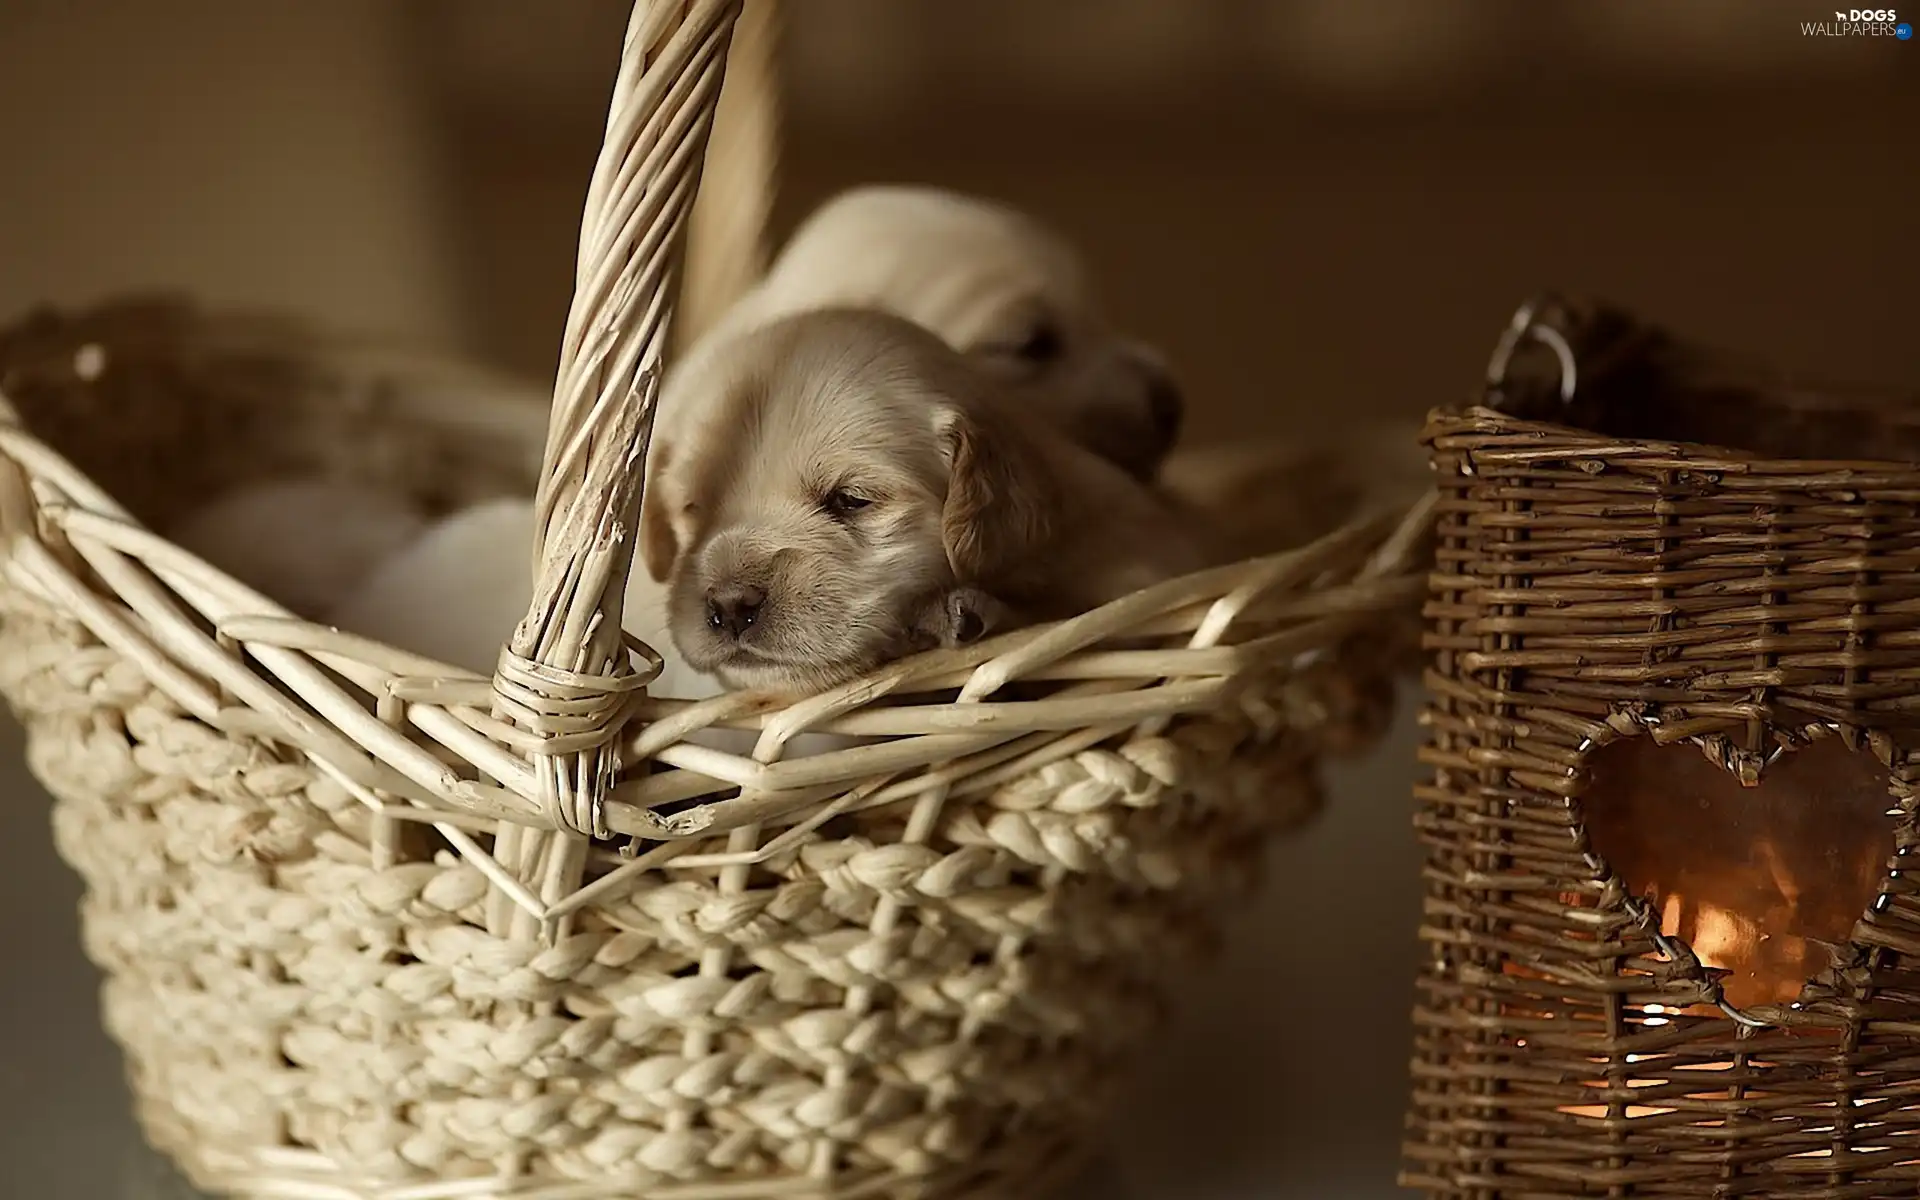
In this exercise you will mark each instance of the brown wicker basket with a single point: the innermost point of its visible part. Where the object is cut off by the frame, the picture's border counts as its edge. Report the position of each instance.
(376, 928)
(1675, 726)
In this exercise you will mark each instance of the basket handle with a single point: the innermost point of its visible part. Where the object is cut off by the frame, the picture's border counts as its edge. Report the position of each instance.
(567, 672)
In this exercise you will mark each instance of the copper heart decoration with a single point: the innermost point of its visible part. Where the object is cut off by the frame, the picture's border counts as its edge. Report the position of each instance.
(1757, 880)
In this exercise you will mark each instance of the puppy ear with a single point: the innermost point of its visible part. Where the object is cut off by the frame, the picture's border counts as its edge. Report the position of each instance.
(1001, 496)
(658, 545)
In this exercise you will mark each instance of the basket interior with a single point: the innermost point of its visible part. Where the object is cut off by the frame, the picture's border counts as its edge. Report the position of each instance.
(1636, 381)
(167, 407)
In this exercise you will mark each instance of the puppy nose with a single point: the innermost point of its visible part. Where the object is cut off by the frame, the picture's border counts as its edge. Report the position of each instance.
(732, 608)
(1166, 407)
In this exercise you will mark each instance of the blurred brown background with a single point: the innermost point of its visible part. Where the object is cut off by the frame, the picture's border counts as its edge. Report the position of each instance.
(1324, 209)
(1309, 202)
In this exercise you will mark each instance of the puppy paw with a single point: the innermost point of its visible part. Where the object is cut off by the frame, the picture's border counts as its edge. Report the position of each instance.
(961, 616)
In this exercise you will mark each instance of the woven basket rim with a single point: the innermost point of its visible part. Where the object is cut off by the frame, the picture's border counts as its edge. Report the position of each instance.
(1205, 634)
(1468, 419)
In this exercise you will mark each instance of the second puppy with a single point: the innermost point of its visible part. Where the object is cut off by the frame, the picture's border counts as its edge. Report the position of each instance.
(817, 481)
(994, 284)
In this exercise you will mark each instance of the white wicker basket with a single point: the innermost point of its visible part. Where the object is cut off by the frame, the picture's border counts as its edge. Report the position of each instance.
(376, 927)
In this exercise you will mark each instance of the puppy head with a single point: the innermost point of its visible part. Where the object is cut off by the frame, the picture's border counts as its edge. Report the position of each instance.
(817, 485)
(997, 286)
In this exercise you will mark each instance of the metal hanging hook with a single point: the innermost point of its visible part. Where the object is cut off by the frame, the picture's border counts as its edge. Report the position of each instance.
(1527, 325)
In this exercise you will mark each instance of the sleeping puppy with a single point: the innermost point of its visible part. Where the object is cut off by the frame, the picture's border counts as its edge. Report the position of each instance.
(993, 284)
(816, 482)
(457, 590)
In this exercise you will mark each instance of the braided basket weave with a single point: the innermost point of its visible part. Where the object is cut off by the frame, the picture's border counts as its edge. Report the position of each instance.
(1607, 595)
(375, 927)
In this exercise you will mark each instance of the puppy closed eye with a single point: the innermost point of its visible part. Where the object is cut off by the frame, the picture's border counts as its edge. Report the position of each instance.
(844, 504)
(1042, 345)
(1032, 349)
